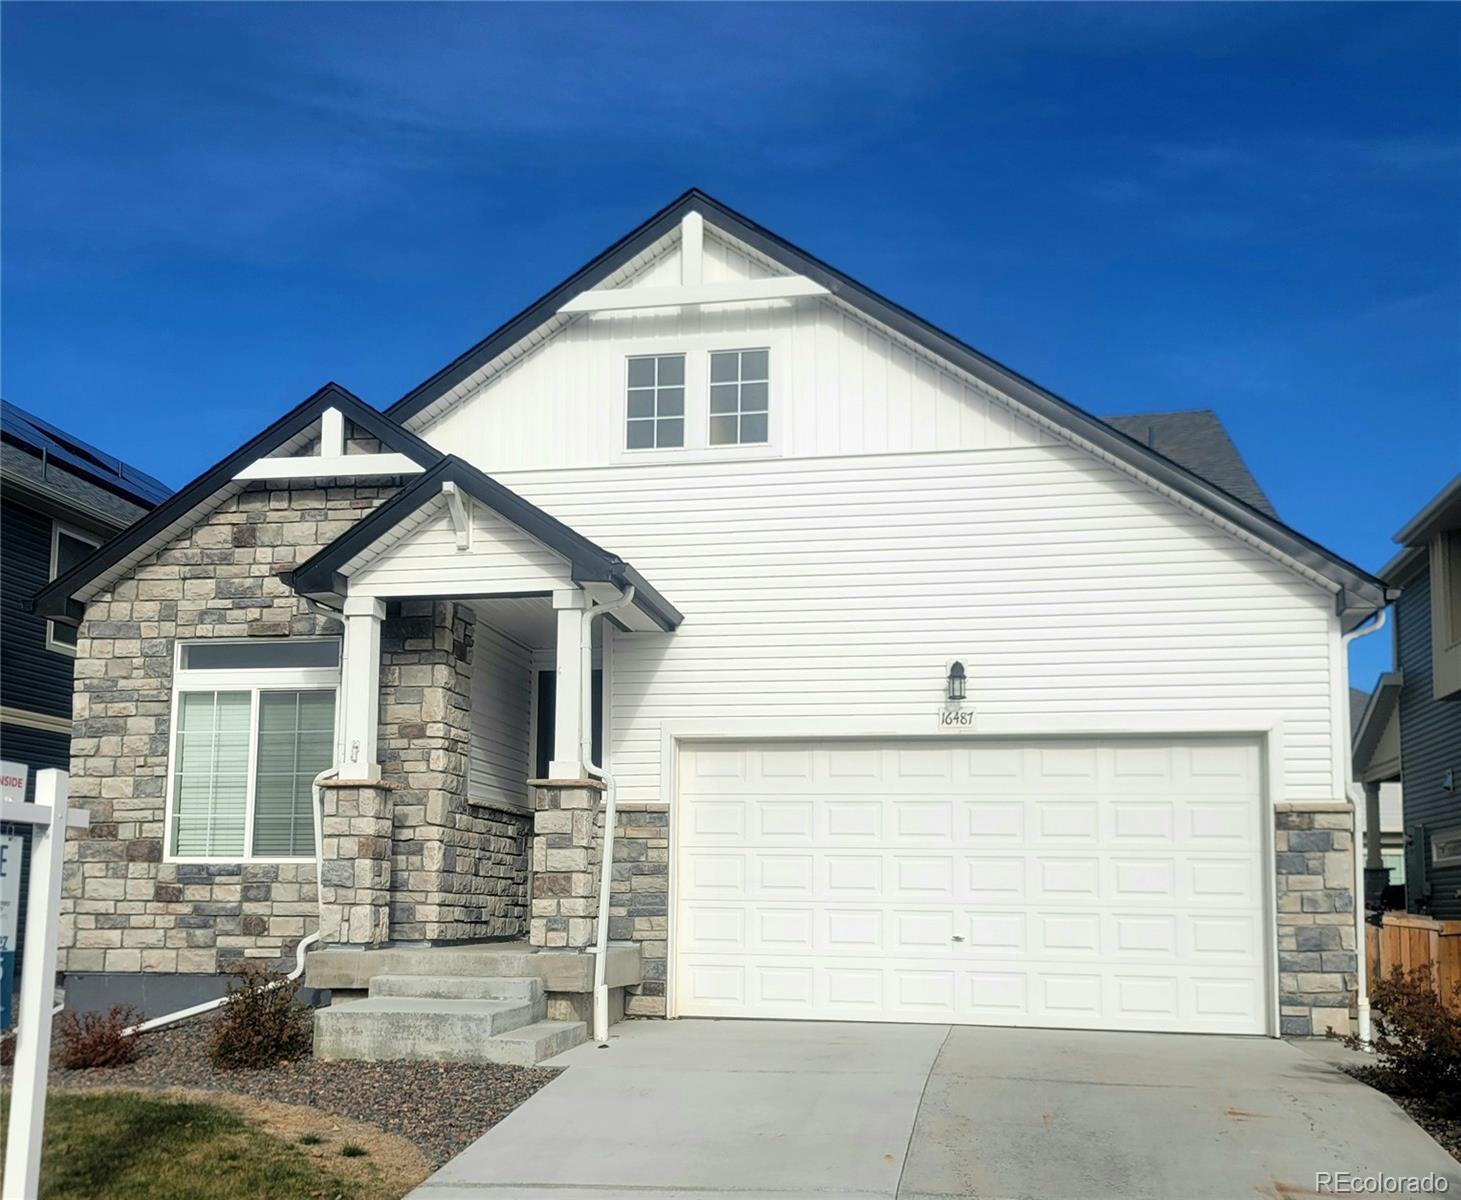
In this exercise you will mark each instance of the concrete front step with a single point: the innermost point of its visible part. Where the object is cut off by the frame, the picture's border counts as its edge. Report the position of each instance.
(382, 1028)
(560, 970)
(530, 1045)
(458, 987)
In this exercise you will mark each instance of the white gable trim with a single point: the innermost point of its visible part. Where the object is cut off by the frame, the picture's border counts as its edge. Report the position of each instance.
(615, 286)
(424, 555)
(331, 462)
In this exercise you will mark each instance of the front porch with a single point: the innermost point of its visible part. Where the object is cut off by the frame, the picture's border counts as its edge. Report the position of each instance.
(462, 829)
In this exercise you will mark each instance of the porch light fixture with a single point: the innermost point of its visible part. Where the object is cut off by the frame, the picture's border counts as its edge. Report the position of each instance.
(957, 682)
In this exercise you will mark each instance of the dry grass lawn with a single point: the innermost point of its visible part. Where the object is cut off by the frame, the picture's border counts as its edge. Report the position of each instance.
(119, 1145)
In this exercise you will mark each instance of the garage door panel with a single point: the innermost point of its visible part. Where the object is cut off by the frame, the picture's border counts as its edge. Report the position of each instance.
(1082, 885)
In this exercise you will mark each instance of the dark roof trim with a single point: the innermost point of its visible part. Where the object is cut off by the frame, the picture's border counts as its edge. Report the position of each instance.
(1440, 512)
(1361, 594)
(54, 600)
(516, 328)
(588, 562)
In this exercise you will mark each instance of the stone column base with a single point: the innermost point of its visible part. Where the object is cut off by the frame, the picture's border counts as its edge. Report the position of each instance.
(1318, 962)
(566, 849)
(355, 883)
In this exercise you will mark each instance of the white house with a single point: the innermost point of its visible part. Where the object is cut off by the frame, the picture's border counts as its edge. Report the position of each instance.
(918, 693)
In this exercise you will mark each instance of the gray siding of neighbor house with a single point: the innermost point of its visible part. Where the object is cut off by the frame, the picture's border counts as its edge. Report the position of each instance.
(1430, 745)
(31, 676)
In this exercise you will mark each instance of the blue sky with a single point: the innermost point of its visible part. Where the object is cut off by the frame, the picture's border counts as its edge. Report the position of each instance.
(210, 210)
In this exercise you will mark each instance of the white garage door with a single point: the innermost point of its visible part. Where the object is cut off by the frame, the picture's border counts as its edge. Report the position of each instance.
(1113, 885)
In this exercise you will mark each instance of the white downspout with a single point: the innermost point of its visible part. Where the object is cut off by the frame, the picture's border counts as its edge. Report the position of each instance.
(606, 856)
(1362, 1000)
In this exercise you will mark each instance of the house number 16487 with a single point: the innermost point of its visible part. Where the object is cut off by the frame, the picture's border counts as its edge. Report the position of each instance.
(955, 718)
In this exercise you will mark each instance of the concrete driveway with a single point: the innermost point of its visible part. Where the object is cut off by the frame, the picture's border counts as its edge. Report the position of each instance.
(742, 1110)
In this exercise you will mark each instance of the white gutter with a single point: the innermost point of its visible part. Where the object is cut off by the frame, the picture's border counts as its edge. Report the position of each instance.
(305, 943)
(606, 856)
(1357, 803)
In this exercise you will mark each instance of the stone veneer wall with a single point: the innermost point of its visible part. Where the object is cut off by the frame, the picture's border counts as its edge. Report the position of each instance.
(458, 870)
(639, 898)
(1317, 961)
(123, 908)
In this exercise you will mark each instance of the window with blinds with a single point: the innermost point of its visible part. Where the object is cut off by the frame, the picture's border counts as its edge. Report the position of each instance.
(250, 737)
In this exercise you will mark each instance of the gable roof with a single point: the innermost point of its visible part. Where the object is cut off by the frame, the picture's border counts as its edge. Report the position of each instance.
(588, 562)
(1358, 594)
(29, 432)
(1441, 512)
(1198, 441)
(98, 570)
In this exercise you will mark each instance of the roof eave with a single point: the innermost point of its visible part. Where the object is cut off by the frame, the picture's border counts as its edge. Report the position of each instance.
(56, 598)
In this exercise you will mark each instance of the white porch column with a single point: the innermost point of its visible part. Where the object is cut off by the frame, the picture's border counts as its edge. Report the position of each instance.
(568, 699)
(360, 689)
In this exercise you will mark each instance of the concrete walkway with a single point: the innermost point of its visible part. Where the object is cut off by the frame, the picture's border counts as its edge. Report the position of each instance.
(715, 1110)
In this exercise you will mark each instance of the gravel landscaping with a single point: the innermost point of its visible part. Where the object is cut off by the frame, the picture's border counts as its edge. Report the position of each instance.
(1445, 1128)
(439, 1107)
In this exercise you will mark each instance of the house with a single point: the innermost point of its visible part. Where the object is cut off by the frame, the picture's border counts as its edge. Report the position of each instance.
(1376, 740)
(60, 498)
(892, 686)
(1412, 731)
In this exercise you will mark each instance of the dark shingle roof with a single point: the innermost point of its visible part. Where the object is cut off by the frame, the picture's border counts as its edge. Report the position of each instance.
(1197, 440)
(29, 432)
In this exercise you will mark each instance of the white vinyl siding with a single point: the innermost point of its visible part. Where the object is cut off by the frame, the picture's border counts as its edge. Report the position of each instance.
(842, 587)
(841, 387)
(500, 756)
(502, 560)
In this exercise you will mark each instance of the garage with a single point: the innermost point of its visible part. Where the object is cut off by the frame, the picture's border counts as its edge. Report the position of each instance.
(1116, 884)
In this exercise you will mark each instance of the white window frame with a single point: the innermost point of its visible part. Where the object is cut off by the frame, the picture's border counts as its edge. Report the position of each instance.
(253, 680)
(654, 421)
(697, 349)
(740, 413)
(81, 535)
(1445, 860)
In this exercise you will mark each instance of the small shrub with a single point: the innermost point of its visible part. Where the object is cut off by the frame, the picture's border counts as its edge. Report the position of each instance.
(1417, 1037)
(95, 1039)
(262, 1023)
(351, 1150)
(310, 1139)
(7, 1049)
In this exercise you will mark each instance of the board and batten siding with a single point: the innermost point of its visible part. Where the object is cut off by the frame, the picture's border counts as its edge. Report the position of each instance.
(841, 587)
(1430, 744)
(838, 386)
(501, 723)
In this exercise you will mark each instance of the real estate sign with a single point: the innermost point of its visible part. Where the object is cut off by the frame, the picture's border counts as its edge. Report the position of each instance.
(12, 787)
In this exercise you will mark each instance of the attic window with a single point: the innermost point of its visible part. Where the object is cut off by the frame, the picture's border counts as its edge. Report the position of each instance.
(656, 402)
(739, 397)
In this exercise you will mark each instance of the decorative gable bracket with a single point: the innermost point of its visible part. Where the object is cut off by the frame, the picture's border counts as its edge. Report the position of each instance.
(692, 289)
(332, 460)
(461, 520)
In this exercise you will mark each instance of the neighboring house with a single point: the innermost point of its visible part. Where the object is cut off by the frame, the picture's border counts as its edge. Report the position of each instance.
(59, 500)
(1376, 740)
(926, 695)
(1414, 730)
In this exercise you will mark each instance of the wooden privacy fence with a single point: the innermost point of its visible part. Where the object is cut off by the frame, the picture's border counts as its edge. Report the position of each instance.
(1408, 941)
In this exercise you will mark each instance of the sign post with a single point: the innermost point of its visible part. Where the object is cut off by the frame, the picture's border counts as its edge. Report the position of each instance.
(13, 778)
(50, 819)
